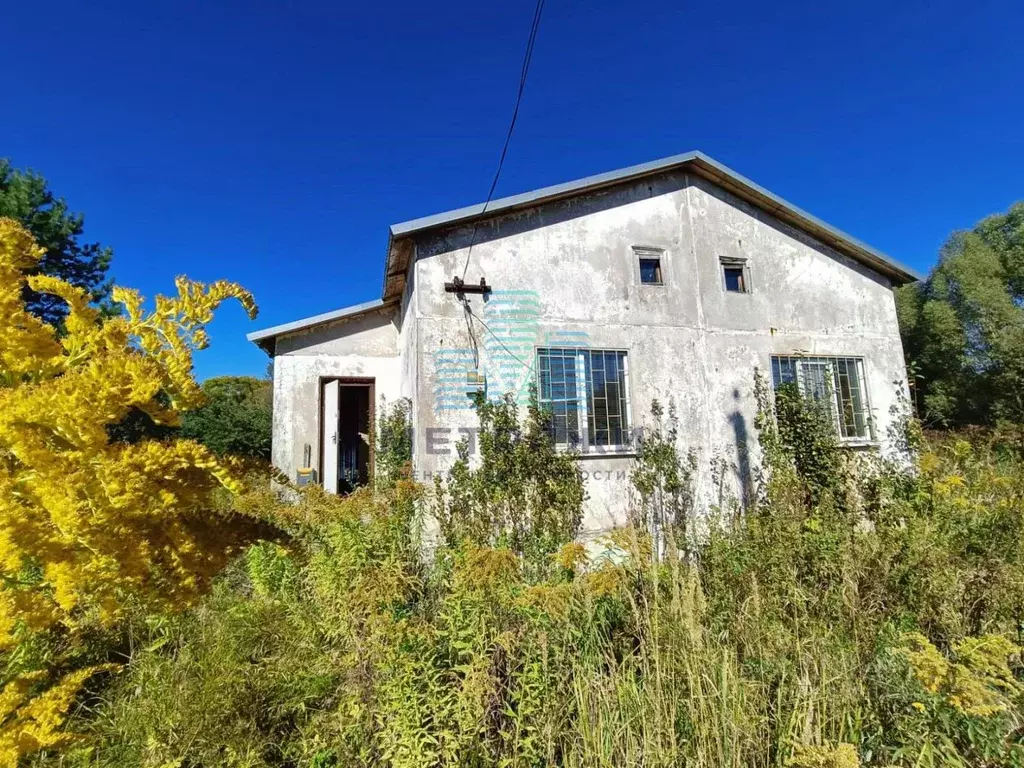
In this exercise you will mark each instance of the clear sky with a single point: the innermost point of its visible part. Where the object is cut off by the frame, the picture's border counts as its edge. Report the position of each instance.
(273, 143)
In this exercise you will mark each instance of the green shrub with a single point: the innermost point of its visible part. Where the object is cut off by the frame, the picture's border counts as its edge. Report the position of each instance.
(521, 493)
(393, 455)
(860, 613)
(664, 483)
(237, 418)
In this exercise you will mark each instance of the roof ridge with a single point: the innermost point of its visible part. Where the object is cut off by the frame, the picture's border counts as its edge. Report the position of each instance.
(704, 165)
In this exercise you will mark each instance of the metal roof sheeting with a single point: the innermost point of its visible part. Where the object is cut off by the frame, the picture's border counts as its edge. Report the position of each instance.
(265, 338)
(401, 234)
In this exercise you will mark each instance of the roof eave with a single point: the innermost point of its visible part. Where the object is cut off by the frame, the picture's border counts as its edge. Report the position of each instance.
(746, 189)
(266, 339)
(706, 166)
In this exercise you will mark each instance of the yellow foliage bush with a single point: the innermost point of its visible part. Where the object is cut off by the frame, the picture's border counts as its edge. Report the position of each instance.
(979, 683)
(31, 723)
(840, 756)
(88, 526)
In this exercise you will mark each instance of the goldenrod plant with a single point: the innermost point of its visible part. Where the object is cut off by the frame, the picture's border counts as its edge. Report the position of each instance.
(794, 635)
(857, 611)
(91, 529)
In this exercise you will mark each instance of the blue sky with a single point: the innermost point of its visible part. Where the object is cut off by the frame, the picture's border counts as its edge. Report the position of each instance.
(273, 143)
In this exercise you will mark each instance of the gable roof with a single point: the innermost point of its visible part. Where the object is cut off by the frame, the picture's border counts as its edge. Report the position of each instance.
(400, 250)
(402, 235)
(265, 339)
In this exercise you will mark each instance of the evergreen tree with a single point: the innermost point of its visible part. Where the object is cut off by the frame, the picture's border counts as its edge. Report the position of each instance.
(26, 197)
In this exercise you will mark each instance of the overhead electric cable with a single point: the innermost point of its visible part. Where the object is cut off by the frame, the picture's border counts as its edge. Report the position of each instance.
(523, 73)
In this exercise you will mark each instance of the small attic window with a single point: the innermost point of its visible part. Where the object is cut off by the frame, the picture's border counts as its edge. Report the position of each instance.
(649, 261)
(650, 271)
(734, 276)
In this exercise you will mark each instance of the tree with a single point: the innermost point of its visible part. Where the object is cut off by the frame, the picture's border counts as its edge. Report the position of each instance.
(236, 419)
(963, 327)
(25, 196)
(90, 529)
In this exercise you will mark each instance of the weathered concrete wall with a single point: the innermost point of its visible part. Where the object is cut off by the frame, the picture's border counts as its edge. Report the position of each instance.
(408, 348)
(363, 347)
(688, 341)
(373, 334)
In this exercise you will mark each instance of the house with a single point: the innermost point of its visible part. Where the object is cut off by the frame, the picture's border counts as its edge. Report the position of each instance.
(672, 280)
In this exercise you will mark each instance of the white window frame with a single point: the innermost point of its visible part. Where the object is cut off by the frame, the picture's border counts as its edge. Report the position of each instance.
(831, 365)
(586, 446)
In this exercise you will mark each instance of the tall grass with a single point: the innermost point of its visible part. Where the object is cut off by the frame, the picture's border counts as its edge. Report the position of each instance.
(871, 621)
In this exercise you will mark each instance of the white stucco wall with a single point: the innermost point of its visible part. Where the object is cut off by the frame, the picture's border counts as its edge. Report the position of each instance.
(362, 347)
(688, 341)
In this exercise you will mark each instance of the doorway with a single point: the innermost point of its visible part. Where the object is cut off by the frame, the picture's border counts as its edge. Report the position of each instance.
(346, 433)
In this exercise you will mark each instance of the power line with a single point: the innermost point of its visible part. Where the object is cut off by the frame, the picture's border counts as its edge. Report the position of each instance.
(527, 58)
(473, 315)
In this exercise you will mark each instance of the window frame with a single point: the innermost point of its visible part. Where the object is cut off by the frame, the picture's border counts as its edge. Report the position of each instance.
(734, 262)
(585, 445)
(641, 252)
(832, 380)
(656, 263)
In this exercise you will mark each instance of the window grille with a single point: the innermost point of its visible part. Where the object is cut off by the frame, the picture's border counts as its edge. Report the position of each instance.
(838, 382)
(586, 392)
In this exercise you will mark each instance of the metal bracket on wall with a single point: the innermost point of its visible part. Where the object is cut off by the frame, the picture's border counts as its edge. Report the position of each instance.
(457, 285)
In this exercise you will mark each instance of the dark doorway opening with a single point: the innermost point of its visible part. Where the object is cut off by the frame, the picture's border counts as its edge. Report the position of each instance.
(346, 454)
(353, 438)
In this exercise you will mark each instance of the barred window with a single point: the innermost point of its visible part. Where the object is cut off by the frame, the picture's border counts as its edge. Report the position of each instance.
(587, 395)
(836, 381)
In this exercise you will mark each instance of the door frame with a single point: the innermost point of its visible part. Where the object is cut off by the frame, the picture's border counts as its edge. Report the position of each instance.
(369, 383)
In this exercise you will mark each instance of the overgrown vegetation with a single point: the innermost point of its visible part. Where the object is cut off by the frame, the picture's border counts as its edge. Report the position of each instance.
(393, 456)
(860, 610)
(95, 532)
(859, 614)
(663, 480)
(522, 494)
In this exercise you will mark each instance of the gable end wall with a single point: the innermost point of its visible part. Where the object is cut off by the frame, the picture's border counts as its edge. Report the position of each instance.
(689, 342)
